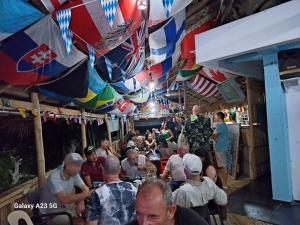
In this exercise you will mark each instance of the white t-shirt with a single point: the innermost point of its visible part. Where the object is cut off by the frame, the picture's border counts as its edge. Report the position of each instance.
(132, 171)
(130, 144)
(197, 193)
(176, 168)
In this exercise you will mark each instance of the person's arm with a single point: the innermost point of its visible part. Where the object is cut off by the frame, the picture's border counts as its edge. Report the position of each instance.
(87, 180)
(72, 198)
(167, 170)
(93, 210)
(171, 135)
(220, 197)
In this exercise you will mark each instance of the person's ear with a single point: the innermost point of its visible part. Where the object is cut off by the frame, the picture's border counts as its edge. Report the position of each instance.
(171, 211)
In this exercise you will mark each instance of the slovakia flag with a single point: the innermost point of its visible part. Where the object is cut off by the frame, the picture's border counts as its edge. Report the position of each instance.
(36, 54)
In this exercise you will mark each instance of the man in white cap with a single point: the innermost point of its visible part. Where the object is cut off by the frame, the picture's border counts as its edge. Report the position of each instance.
(198, 190)
(58, 192)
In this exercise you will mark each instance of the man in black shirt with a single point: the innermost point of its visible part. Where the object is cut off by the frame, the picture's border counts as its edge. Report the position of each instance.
(154, 206)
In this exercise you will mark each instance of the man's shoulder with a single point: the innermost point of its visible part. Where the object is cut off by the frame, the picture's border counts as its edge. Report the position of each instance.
(134, 222)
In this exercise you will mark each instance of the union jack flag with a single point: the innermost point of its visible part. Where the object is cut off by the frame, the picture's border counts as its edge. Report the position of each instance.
(135, 46)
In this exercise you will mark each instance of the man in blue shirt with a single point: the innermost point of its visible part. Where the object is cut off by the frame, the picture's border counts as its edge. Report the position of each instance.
(221, 146)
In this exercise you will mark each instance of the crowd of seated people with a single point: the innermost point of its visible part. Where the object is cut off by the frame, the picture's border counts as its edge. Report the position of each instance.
(107, 184)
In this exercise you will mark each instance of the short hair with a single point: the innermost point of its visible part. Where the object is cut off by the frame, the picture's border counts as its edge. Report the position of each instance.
(221, 115)
(131, 150)
(103, 139)
(111, 165)
(184, 145)
(148, 185)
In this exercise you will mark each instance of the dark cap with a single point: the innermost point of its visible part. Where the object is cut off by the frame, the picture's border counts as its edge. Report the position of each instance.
(88, 150)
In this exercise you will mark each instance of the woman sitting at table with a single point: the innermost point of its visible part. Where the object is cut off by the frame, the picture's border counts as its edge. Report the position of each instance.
(150, 143)
(166, 133)
(104, 149)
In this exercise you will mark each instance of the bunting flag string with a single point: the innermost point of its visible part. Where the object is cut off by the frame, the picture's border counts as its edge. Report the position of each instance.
(92, 55)
(63, 19)
(109, 7)
(109, 67)
(168, 6)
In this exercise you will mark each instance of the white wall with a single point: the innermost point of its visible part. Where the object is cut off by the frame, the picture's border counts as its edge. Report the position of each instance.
(293, 113)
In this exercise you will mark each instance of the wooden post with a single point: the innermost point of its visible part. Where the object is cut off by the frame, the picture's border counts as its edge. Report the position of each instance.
(38, 138)
(122, 129)
(251, 144)
(83, 131)
(108, 129)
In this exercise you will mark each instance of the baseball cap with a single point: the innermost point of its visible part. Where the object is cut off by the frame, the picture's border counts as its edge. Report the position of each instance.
(192, 164)
(73, 158)
(88, 150)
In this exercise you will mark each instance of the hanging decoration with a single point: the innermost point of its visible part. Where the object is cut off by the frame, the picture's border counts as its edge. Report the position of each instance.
(168, 6)
(109, 7)
(92, 55)
(63, 19)
(109, 67)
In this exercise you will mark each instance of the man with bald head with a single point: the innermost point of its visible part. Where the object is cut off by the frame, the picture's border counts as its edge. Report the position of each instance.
(113, 202)
(154, 206)
(197, 130)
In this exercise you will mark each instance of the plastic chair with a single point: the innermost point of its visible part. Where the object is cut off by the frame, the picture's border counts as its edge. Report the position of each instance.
(14, 217)
(162, 164)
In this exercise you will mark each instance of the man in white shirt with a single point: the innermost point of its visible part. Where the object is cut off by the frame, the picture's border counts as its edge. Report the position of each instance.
(134, 165)
(175, 168)
(197, 191)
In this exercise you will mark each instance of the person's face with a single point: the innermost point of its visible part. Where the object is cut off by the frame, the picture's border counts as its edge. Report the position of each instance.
(182, 151)
(217, 119)
(72, 168)
(153, 211)
(104, 144)
(149, 137)
(92, 157)
(132, 159)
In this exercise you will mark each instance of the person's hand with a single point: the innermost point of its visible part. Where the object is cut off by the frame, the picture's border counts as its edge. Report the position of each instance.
(80, 207)
(87, 193)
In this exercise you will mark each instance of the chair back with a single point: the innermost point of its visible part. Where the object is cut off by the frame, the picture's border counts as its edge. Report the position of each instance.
(14, 217)
(203, 212)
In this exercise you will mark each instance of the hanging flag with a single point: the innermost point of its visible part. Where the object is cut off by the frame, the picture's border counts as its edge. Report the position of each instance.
(109, 7)
(92, 55)
(73, 84)
(185, 74)
(63, 18)
(164, 67)
(127, 87)
(52, 5)
(140, 96)
(16, 15)
(143, 77)
(213, 74)
(159, 13)
(124, 57)
(36, 54)
(203, 86)
(90, 26)
(164, 41)
(109, 67)
(174, 86)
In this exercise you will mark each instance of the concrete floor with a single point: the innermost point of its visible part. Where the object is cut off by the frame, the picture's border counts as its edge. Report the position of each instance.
(253, 199)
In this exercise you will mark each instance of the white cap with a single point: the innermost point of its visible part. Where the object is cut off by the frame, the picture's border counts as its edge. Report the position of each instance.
(192, 164)
(73, 158)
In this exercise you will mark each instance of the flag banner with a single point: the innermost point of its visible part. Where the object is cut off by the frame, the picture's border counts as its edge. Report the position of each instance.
(164, 67)
(140, 96)
(15, 16)
(161, 10)
(109, 7)
(36, 54)
(52, 5)
(74, 83)
(143, 77)
(92, 56)
(164, 41)
(186, 74)
(90, 25)
(63, 18)
(128, 56)
(214, 75)
(127, 87)
(203, 86)
(123, 107)
(174, 86)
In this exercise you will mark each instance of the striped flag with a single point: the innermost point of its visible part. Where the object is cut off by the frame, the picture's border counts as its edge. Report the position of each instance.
(52, 5)
(213, 74)
(164, 42)
(185, 74)
(203, 86)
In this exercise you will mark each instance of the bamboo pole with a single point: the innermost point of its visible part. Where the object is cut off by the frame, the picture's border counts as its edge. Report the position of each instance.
(83, 131)
(185, 97)
(38, 133)
(108, 129)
